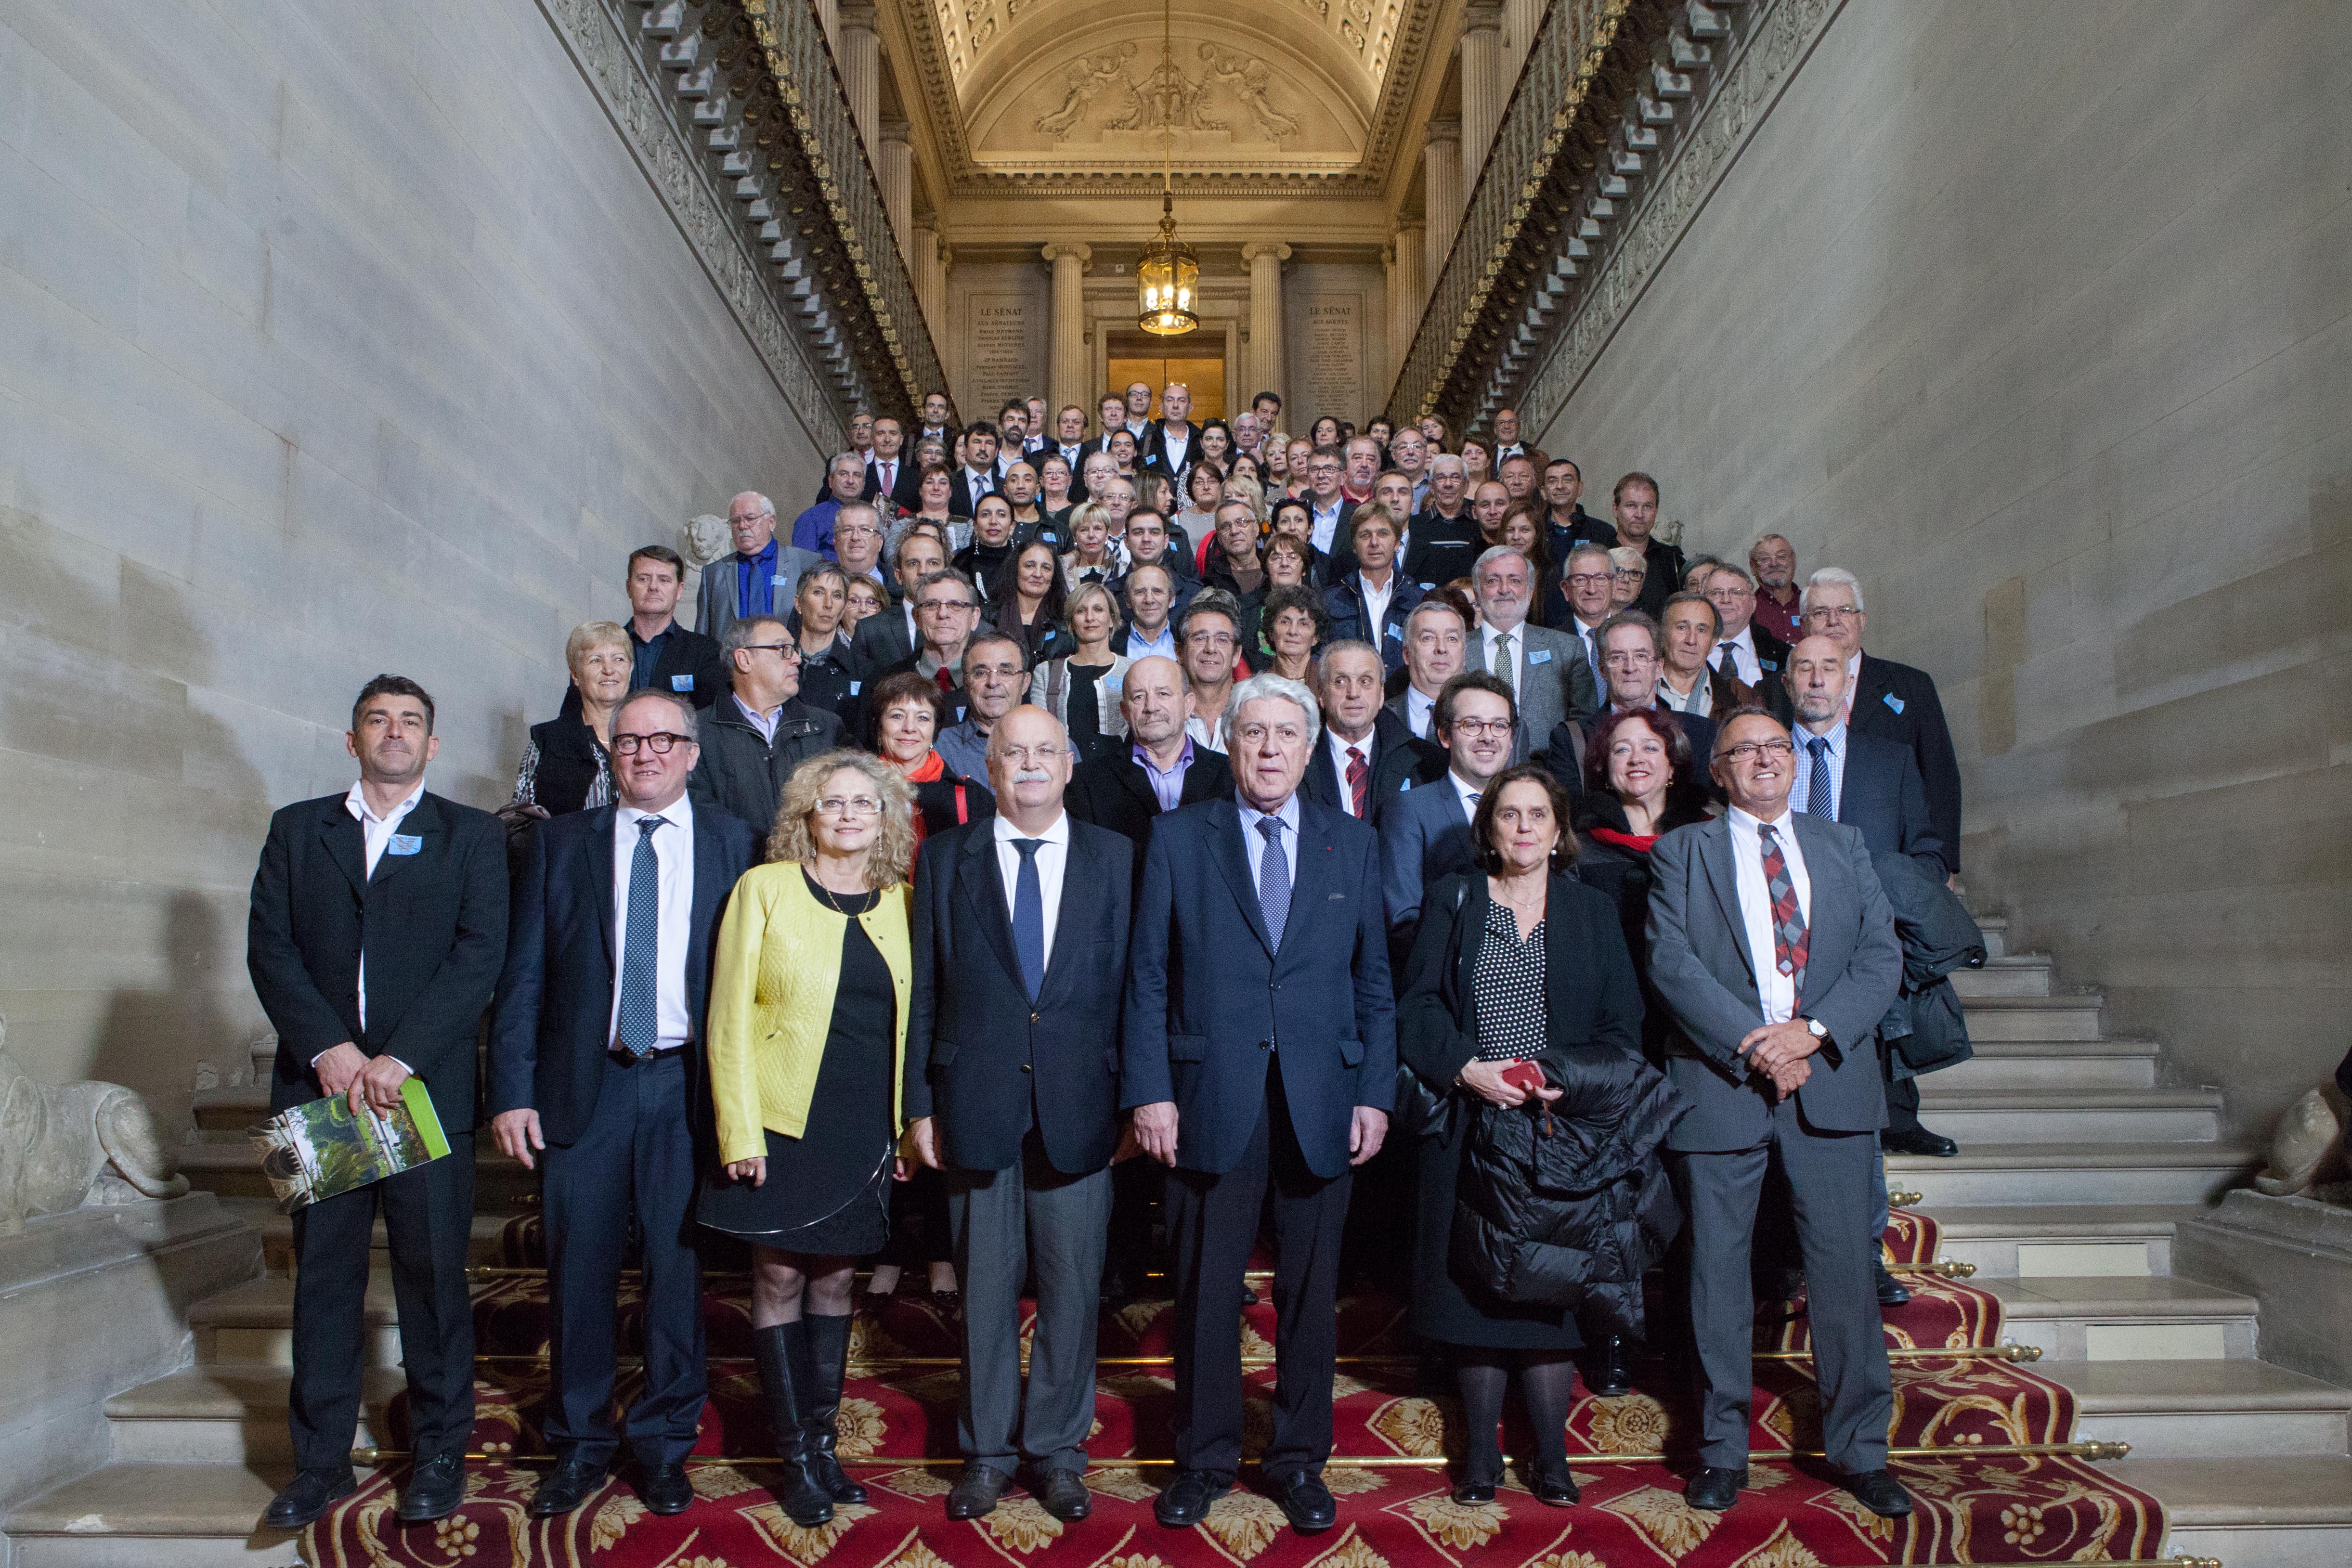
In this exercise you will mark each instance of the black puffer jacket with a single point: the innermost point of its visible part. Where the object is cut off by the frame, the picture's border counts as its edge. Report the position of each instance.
(1569, 1204)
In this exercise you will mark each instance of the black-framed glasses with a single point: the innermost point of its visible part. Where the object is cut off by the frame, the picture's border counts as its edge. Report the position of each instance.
(790, 652)
(661, 741)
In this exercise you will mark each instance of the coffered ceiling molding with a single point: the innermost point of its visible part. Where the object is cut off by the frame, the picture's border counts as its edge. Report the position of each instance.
(1249, 89)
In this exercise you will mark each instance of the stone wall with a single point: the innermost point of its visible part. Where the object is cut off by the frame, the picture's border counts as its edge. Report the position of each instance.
(2039, 319)
(333, 339)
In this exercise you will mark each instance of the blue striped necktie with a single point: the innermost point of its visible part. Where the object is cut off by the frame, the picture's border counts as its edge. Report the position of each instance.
(641, 946)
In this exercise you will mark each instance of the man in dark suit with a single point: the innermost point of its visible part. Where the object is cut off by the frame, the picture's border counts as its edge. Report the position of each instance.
(980, 472)
(1172, 444)
(1892, 701)
(1743, 650)
(1633, 504)
(887, 471)
(937, 421)
(379, 922)
(1630, 658)
(1872, 785)
(884, 640)
(1070, 445)
(1020, 927)
(593, 1058)
(1366, 754)
(1774, 949)
(669, 657)
(1426, 831)
(1259, 1051)
(759, 578)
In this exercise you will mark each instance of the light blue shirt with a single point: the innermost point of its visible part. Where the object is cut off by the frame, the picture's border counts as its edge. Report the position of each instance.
(1163, 646)
(1253, 841)
(1800, 793)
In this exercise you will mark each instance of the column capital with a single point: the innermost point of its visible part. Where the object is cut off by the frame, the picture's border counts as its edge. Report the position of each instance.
(1478, 16)
(899, 131)
(1445, 129)
(1056, 249)
(856, 13)
(1254, 249)
(1407, 228)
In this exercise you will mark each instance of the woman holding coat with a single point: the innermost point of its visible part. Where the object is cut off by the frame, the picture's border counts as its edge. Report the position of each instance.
(808, 1036)
(1516, 967)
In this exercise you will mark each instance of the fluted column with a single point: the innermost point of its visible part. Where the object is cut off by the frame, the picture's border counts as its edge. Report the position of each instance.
(1066, 355)
(1519, 20)
(860, 51)
(1262, 365)
(1440, 193)
(1484, 82)
(1407, 292)
(931, 282)
(897, 173)
(828, 21)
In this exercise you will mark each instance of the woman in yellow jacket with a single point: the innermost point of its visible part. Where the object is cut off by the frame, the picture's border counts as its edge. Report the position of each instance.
(808, 1029)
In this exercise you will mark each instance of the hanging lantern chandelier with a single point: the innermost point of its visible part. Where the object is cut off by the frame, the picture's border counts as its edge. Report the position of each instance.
(1169, 276)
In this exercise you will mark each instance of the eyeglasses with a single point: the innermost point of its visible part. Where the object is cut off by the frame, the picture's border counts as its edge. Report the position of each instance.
(1833, 613)
(1630, 572)
(1480, 728)
(1750, 750)
(852, 806)
(658, 743)
(1209, 639)
(1587, 578)
(787, 651)
(933, 606)
(1619, 659)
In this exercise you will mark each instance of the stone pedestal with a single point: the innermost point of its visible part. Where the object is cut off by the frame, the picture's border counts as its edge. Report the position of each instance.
(2295, 1255)
(94, 1301)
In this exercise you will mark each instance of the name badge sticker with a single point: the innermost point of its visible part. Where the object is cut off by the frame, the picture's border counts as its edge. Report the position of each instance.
(1895, 702)
(681, 683)
(1540, 656)
(403, 845)
(853, 688)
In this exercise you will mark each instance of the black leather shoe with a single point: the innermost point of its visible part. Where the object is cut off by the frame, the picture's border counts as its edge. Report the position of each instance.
(1611, 1372)
(1714, 1488)
(1879, 1492)
(1064, 1494)
(563, 1489)
(1249, 1295)
(1470, 1493)
(1305, 1502)
(665, 1490)
(1892, 1291)
(436, 1487)
(309, 1494)
(1552, 1485)
(1186, 1500)
(976, 1491)
(1919, 1141)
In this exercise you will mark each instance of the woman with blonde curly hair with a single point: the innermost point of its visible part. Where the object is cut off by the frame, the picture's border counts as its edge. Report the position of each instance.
(807, 1036)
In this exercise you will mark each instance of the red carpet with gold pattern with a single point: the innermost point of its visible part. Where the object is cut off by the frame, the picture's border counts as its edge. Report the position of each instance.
(1978, 1502)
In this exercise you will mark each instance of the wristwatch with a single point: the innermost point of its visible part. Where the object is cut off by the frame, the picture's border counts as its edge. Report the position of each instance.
(1818, 1030)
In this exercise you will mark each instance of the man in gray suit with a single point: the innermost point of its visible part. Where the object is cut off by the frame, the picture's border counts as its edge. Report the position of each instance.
(759, 578)
(1774, 949)
(1545, 669)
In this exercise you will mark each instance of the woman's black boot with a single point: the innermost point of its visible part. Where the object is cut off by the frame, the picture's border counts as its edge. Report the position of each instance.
(827, 1369)
(802, 1493)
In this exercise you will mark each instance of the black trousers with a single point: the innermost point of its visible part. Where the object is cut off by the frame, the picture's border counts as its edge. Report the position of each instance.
(429, 1216)
(634, 1158)
(1212, 1226)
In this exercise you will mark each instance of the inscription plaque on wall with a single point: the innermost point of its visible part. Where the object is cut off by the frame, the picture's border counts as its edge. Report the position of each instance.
(1006, 346)
(1329, 366)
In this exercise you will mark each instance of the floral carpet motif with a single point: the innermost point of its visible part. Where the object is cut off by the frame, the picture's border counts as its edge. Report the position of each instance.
(1973, 1505)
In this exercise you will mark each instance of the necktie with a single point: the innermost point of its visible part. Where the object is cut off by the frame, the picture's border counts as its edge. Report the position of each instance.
(1818, 801)
(1273, 880)
(1727, 659)
(889, 477)
(1790, 937)
(641, 946)
(1029, 917)
(1359, 780)
(1505, 665)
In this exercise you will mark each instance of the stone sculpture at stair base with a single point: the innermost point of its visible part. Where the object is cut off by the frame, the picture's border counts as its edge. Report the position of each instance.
(2307, 1152)
(64, 1147)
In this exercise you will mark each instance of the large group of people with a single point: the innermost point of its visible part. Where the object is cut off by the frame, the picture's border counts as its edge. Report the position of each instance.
(1061, 857)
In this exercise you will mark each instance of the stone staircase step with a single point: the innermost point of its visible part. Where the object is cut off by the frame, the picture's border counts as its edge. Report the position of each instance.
(277, 1233)
(2026, 974)
(1994, 927)
(2051, 1064)
(2287, 1511)
(139, 1515)
(2033, 1017)
(2045, 1241)
(2120, 1317)
(254, 1324)
(2083, 1116)
(231, 1110)
(227, 1413)
(2013, 1174)
(2196, 1409)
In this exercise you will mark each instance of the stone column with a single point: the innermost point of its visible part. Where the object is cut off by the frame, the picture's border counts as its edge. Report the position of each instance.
(1066, 350)
(1486, 82)
(1408, 293)
(1261, 364)
(828, 21)
(897, 173)
(860, 52)
(1521, 18)
(1440, 193)
(931, 282)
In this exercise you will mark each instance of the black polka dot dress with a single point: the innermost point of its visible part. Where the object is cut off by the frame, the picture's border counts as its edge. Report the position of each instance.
(1509, 978)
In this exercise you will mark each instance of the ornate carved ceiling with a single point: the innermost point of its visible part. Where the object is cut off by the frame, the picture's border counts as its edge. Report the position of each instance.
(1064, 95)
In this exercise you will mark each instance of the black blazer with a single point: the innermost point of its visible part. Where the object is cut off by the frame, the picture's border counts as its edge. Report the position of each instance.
(1885, 798)
(1176, 459)
(552, 1033)
(965, 501)
(1114, 793)
(881, 640)
(434, 948)
(907, 487)
(1399, 761)
(979, 1055)
(1897, 703)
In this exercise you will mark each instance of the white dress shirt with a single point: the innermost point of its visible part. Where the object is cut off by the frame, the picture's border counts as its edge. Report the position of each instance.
(1206, 734)
(1253, 841)
(1340, 749)
(1801, 798)
(1468, 791)
(1777, 990)
(376, 832)
(674, 865)
(1745, 665)
(1053, 859)
(886, 475)
(1420, 713)
(1508, 669)
(1376, 604)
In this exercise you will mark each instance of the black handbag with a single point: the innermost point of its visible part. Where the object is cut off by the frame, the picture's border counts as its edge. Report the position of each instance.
(1420, 1111)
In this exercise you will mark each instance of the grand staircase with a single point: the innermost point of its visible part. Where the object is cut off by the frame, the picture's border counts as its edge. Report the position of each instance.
(2076, 1167)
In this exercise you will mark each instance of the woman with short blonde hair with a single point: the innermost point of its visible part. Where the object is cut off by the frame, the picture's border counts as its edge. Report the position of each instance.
(567, 762)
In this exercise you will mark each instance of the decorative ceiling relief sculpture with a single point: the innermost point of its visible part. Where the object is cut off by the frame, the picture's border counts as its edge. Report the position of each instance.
(1107, 93)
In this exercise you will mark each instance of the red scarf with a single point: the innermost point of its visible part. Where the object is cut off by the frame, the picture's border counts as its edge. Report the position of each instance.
(1643, 843)
(932, 768)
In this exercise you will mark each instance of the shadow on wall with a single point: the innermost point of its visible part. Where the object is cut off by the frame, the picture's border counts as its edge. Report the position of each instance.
(130, 949)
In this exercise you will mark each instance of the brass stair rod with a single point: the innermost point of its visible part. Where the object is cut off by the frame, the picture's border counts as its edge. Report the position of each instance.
(2094, 1450)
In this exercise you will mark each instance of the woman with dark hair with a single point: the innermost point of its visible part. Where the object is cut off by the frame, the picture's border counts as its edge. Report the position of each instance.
(1633, 765)
(1289, 563)
(992, 542)
(1204, 487)
(1029, 601)
(1121, 447)
(1519, 1010)
(1216, 441)
(1291, 627)
(1524, 530)
(1295, 517)
(1324, 431)
(1477, 462)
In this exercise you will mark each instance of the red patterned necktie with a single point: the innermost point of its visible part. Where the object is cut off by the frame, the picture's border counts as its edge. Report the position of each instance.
(1360, 781)
(1789, 938)
(945, 678)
